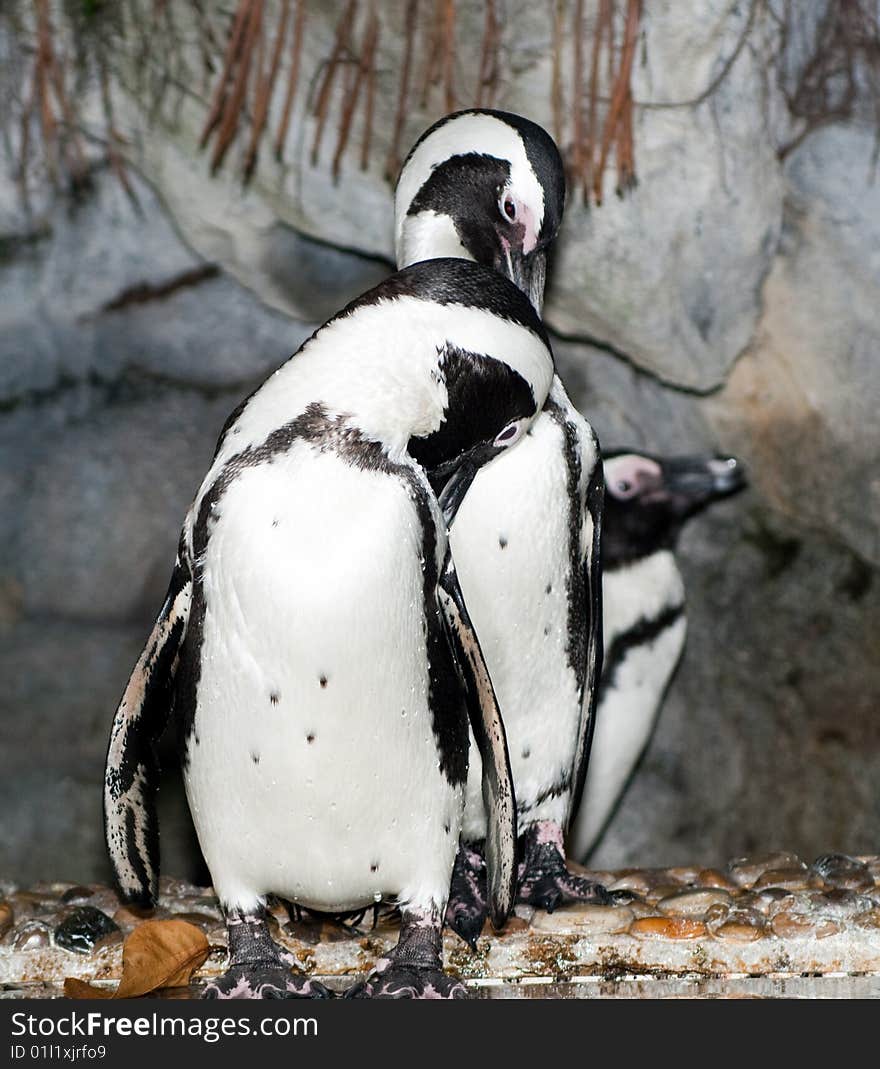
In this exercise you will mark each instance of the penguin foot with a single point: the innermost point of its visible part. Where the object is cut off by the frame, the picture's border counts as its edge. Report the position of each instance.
(413, 969)
(258, 967)
(264, 979)
(545, 880)
(468, 907)
(394, 980)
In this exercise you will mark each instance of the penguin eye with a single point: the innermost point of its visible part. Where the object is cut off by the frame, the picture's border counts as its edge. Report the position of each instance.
(509, 435)
(622, 488)
(508, 207)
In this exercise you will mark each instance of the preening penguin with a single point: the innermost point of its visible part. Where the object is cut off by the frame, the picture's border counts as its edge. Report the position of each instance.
(489, 186)
(304, 644)
(648, 499)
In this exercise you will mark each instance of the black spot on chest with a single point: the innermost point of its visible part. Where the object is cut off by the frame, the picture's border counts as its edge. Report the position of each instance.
(332, 434)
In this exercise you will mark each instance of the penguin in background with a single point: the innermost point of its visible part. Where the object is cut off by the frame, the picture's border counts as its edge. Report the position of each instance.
(489, 186)
(648, 500)
(314, 647)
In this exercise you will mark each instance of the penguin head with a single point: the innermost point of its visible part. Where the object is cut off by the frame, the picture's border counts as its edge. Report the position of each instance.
(483, 185)
(495, 365)
(649, 498)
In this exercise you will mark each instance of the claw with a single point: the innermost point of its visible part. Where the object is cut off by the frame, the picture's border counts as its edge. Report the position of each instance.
(263, 979)
(408, 981)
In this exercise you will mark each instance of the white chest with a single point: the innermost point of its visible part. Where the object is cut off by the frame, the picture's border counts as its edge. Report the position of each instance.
(510, 542)
(315, 774)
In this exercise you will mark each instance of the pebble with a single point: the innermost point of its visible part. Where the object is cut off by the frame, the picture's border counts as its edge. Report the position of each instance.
(736, 932)
(82, 928)
(683, 875)
(716, 915)
(108, 940)
(788, 879)
(839, 903)
(769, 900)
(51, 889)
(128, 917)
(77, 894)
(740, 926)
(32, 903)
(797, 926)
(585, 920)
(642, 882)
(693, 903)
(667, 928)
(641, 909)
(169, 885)
(7, 916)
(30, 935)
(842, 872)
(745, 871)
(869, 920)
(714, 878)
(661, 891)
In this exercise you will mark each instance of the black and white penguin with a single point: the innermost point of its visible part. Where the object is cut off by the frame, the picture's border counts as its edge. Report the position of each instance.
(303, 643)
(489, 186)
(648, 499)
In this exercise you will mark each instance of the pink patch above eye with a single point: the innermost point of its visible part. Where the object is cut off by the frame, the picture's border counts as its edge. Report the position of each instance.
(527, 220)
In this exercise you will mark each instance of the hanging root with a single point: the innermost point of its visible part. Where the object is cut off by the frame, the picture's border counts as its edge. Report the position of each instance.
(393, 160)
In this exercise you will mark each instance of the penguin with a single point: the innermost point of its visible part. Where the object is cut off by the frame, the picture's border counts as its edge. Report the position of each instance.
(648, 499)
(314, 645)
(489, 186)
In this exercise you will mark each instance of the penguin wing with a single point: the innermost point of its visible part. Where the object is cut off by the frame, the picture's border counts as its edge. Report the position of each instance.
(488, 729)
(593, 504)
(131, 772)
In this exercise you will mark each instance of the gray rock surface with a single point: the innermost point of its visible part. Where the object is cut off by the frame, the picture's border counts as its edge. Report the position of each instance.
(669, 275)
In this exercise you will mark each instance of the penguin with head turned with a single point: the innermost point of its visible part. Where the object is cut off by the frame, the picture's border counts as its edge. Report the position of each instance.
(314, 647)
(648, 500)
(489, 186)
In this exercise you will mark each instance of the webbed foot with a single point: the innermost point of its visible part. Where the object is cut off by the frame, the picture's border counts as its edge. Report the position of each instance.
(413, 969)
(545, 880)
(392, 980)
(468, 906)
(258, 967)
(264, 979)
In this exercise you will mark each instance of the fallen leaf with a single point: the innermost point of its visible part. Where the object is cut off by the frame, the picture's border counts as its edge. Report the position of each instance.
(156, 954)
(74, 988)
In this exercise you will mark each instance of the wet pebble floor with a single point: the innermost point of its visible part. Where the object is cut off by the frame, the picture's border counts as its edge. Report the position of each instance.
(760, 927)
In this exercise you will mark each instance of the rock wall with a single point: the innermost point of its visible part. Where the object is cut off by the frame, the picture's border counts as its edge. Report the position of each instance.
(727, 303)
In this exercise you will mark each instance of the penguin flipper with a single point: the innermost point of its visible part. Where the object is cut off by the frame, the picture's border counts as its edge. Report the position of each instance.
(488, 729)
(131, 771)
(594, 503)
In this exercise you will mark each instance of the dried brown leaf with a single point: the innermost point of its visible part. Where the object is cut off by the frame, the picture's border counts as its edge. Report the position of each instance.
(74, 988)
(156, 954)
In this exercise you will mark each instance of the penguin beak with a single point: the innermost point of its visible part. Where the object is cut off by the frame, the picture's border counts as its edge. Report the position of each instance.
(692, 482)
(459, 475)
(456, 487)
(529, 272)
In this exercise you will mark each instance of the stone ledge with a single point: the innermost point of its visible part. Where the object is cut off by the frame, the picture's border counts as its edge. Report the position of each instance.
(763, 927)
